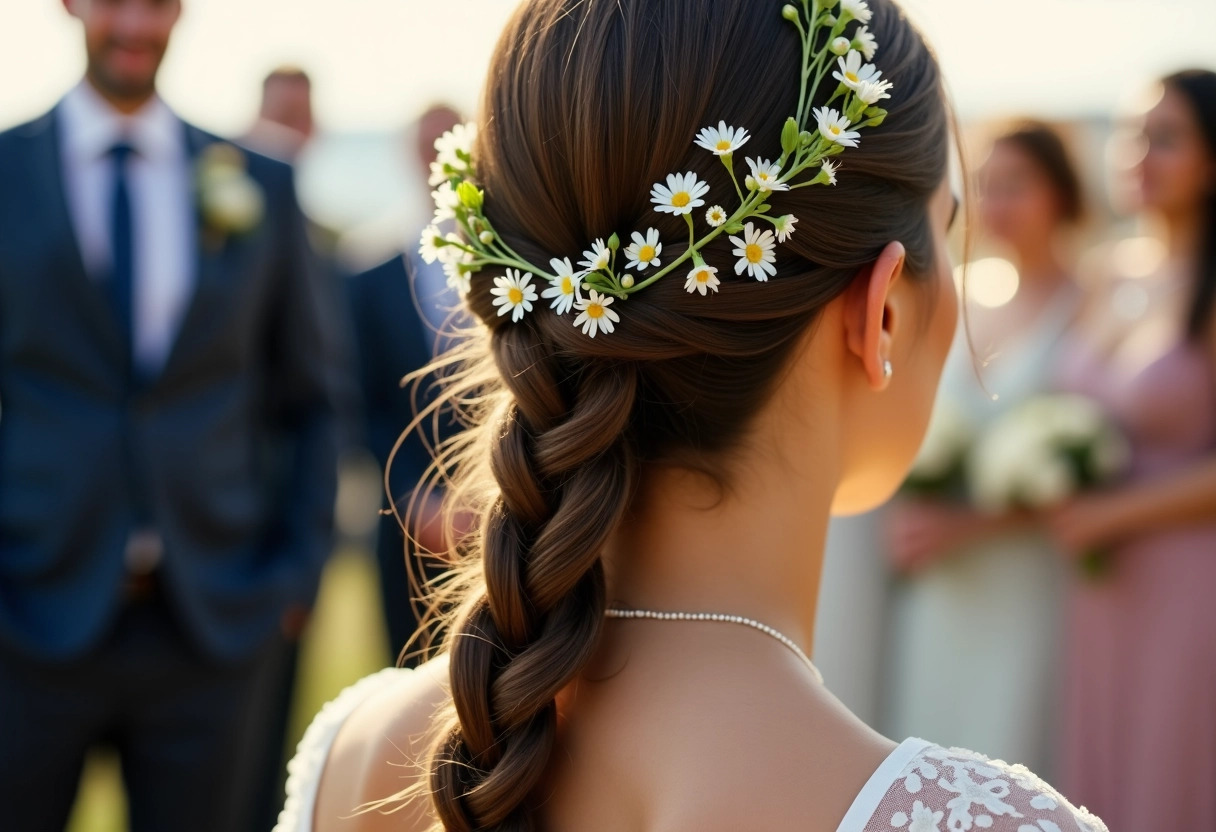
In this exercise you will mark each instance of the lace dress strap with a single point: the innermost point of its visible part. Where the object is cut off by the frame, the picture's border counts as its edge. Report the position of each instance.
(305, 769)
(923, 787)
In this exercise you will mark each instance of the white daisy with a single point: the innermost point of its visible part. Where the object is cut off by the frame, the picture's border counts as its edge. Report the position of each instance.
(872, 92)
(459, 278)
(594, 314)
(681, 195)
(598, 258)
(865, 43)
(784, 226)
(566, 289)
(643, 252)
(755, 253)
(856, 9)
(446, 202)
(514, 293)
(439, 174)
(827, 174)
(703, 279)
(853, 72)
(431, 245)
(764, 175)
(835, 128)
(455, 143)
(722, 140)
(716, 216)
(454, 250)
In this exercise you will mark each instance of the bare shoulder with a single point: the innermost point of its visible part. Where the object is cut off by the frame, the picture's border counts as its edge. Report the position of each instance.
(747, 741)
(381, 751)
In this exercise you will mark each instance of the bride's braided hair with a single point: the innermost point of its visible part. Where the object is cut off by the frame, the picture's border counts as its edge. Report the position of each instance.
(588, 102)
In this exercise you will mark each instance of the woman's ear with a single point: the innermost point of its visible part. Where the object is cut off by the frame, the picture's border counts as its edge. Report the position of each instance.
(871, 315)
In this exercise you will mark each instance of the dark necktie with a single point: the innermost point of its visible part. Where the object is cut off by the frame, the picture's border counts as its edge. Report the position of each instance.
(122, 244)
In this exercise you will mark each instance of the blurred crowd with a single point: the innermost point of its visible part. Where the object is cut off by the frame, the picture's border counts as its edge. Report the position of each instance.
(186, 359)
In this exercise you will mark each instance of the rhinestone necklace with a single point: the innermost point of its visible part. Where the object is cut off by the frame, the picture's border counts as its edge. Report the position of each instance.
(723, 618)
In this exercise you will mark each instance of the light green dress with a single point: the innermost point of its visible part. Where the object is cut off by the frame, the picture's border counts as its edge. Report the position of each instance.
(972, 653)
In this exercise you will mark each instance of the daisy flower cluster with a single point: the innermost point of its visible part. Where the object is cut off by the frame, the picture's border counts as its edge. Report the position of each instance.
(837, 46)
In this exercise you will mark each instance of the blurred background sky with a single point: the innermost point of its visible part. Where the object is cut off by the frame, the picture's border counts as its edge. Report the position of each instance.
(377, 63)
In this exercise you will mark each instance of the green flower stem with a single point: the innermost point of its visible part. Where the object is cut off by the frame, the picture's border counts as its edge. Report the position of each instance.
(492, 260)
(728, 160)
(502, 244)
(806, 59)
(692, 232)
(819, 75)
(746, 211)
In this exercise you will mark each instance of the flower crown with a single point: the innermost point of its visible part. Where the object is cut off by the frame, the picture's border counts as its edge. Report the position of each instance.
(803, 151)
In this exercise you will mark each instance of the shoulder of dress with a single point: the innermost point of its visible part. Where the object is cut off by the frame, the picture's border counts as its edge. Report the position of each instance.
(953, 788)
(305, 769)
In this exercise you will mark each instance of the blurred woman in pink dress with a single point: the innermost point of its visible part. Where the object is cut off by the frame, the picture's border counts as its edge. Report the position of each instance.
(980, 596)
(1140, 702)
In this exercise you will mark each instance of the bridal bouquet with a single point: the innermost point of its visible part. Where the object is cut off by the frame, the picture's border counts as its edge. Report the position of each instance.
(940, 469)
(1043, 452)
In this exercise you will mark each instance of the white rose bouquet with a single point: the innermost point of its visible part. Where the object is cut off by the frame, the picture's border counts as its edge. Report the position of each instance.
(1043, 452)
(940, 468)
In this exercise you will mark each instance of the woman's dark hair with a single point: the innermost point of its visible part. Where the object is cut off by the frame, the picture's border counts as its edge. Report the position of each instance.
(1198, 87)
(589, 102)
(1043, 145)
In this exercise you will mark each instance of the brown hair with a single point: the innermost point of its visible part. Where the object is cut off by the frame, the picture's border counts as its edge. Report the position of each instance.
(1198, 87)
(589, 102)
(1045, 147)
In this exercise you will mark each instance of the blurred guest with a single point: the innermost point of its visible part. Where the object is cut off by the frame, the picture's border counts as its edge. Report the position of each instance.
(401, 310)
(167, 442)
(285, 124)
(1140, 705)
(283, 129)
(978, 608)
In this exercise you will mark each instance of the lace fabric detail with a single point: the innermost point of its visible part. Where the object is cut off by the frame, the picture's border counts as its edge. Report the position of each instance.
(954, 790)
(305, 769)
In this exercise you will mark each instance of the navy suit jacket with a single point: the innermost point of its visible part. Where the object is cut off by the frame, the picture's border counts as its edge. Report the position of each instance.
(234, 443)
(391, 341)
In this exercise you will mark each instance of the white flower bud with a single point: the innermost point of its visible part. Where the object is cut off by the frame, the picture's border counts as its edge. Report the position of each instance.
(486, 237)
(841, 46)
(627, 281)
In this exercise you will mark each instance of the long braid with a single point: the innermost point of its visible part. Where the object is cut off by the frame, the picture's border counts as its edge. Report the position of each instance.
(565, 472)
(587, 103)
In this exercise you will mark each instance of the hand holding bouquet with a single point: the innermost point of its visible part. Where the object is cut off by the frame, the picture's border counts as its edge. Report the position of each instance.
(1043, 452)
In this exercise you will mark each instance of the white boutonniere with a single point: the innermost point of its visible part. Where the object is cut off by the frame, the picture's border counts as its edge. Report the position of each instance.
(230, 201)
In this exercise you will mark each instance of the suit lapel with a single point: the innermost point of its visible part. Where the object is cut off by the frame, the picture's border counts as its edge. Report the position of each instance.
(50, 193)
(210, 268)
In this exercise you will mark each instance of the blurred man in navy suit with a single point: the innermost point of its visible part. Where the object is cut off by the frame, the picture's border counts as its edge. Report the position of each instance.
(168, 441)
(405, 315)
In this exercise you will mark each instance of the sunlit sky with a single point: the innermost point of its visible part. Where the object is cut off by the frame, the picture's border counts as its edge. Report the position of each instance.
(377, 62)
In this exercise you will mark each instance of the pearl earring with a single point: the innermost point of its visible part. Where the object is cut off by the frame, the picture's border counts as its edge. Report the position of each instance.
(887, 370)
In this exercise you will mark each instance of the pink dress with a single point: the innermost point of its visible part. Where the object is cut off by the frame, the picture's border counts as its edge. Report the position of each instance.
(1139, 715)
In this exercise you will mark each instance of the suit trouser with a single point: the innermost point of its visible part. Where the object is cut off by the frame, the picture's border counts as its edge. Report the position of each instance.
(183, 726)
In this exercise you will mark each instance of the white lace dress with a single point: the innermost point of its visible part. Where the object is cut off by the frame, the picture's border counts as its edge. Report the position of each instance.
(920, 787)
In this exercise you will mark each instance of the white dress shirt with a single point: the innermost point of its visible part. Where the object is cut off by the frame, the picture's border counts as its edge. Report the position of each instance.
(160, 180)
